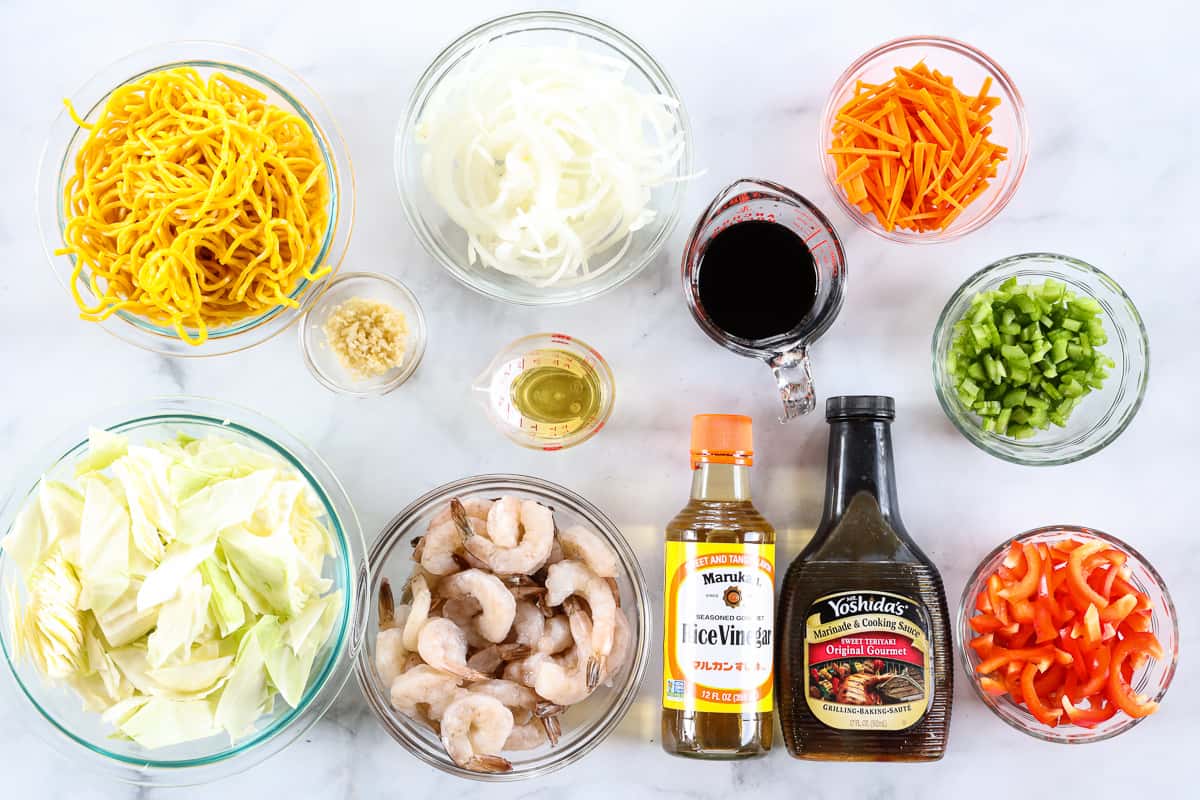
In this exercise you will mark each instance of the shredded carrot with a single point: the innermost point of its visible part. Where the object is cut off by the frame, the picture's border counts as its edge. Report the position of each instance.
(915, 151)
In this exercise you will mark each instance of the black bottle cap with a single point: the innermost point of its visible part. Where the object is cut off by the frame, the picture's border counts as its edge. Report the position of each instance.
(860, 406)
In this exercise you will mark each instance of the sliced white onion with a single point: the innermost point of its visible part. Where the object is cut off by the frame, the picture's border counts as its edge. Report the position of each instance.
(547, 158)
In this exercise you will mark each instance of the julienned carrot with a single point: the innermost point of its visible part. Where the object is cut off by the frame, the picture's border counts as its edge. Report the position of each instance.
(915, 151)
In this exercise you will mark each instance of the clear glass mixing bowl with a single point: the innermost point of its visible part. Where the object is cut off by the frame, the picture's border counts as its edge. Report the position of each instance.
(585, 725)
(56, 714)
(447, 242)
(1101, 415)
(284, 89)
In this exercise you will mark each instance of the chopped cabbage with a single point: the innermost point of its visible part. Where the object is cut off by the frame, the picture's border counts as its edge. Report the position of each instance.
(177, 589)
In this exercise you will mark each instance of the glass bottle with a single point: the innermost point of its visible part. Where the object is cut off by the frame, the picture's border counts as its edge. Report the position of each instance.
(719, 596)
(865, 669)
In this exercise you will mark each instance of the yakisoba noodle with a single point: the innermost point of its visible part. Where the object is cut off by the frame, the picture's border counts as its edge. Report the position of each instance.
(194, 203)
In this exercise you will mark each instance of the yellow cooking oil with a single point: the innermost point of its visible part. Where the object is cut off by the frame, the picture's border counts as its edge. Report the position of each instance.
(558, 390)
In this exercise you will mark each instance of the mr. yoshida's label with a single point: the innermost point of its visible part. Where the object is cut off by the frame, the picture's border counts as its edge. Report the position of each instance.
(718, 641)
(867, 661)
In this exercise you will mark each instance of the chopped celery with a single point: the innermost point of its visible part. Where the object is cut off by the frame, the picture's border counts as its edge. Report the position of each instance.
(1025, 355)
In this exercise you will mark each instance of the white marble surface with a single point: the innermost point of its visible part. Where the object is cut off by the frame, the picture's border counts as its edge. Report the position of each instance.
(1110, 94)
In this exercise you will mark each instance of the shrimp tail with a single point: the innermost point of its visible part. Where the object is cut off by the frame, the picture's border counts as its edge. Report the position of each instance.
(489, 764)
(548, 713)
(387, 605)
(458, 513)
(595, 670)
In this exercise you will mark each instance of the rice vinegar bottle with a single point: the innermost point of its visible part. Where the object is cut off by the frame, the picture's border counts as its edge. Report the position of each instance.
(719, 598)
(865, 670)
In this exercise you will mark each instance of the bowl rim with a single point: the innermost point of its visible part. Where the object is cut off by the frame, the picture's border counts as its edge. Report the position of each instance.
(385, 543)
(352, 569)
(297, 94)
(417, 338)
(445, 61)
(944, 329)
(1017, 165)
(1025, 723)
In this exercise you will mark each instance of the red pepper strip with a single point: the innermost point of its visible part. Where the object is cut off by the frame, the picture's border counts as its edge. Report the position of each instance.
(1071, 688)
(1077, 581)
(1042, 657)
(983, 645)
(1120, 693)
(1022, 611)
(1119, 609)
(1022, 637)
(1137, 622)
(1078, 665)
(1107, 589)
(1013, 559)
(1111, 556)
(1033, 702)
(1099, 674)
(999, 607)
(1043, 621)
(1051, 680)
(985, 623)
(1091, 627)
(992, 685)
(1098, 576)
(983, 603)
(1088, 717)
(1031, 580)
(1066, 545)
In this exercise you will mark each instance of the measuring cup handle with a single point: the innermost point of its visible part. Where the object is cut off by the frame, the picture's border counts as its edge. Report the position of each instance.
(793, 375)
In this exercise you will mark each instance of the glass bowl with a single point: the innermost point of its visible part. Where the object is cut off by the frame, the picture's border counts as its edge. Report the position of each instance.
(447, 242)
(323, 362)
(493, 390)
(56, 713)
(585, 725)
(1151, 679)
(1102, 415)
(969, 67)
(282, 88)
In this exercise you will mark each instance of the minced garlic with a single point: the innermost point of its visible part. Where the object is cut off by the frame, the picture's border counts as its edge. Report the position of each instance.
(368, 336)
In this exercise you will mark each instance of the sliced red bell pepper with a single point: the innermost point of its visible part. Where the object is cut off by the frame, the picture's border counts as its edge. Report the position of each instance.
(1051, 680)
(1077, 581)
(983, 645)
(1088, 717)
(1120, 693)
(1043, 622)
(1091, 627)
(1040, 712)
(1078, 664)
(1119, 609)
(1100, 661)
(1022, 611)
(985, 623)
(983, 603)
(992, 685)
(1030, 580)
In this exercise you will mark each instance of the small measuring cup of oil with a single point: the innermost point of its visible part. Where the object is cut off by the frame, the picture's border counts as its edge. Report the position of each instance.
(764, 275)
(547, 391)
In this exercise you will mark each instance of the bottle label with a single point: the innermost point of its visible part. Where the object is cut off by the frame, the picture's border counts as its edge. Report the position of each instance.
(718, 646)
(867, 661)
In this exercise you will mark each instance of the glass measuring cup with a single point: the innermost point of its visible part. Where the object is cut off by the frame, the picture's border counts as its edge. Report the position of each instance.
(755, 200)
(582, 389)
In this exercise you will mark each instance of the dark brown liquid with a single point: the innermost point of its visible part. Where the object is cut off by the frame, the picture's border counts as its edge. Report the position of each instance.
(757, 280)
(861, 546)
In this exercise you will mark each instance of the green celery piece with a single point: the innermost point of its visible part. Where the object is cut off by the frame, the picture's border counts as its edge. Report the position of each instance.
(988, 425)
(1020, 431)
(1033, 401)
(976, 372)
(1002, 420)
(1020, 415)
(1014, 397)
(1072, 324)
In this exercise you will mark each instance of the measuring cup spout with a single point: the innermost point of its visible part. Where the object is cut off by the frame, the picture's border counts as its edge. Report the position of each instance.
(793, 375)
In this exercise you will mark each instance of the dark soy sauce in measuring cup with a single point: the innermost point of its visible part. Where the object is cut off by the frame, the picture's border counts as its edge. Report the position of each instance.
(757, 280)
(764, 274)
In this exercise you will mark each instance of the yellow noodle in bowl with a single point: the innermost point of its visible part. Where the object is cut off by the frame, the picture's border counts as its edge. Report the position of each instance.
(195, 203)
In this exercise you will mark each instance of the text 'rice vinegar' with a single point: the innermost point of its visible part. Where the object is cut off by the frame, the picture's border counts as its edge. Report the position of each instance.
(719, 598)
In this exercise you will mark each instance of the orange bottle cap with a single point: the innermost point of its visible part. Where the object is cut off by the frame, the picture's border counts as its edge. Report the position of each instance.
(722, 439)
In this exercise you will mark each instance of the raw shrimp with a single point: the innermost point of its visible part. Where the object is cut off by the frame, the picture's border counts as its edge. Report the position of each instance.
(476, 507)
(622, 644)
(557, 636)
(422, 599)
(424, 687)
(581, 544)
(526, 736)
(475, 728)
(391, 656)
(531, 551)
(491, 658)
(462, 611)
(583, 649)
(443, 545)
(568, 578)
(528, 624)
(560, 683)
(523, 671)
(519, 699)
(443, 646)
(503, 519)
(498, 606)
